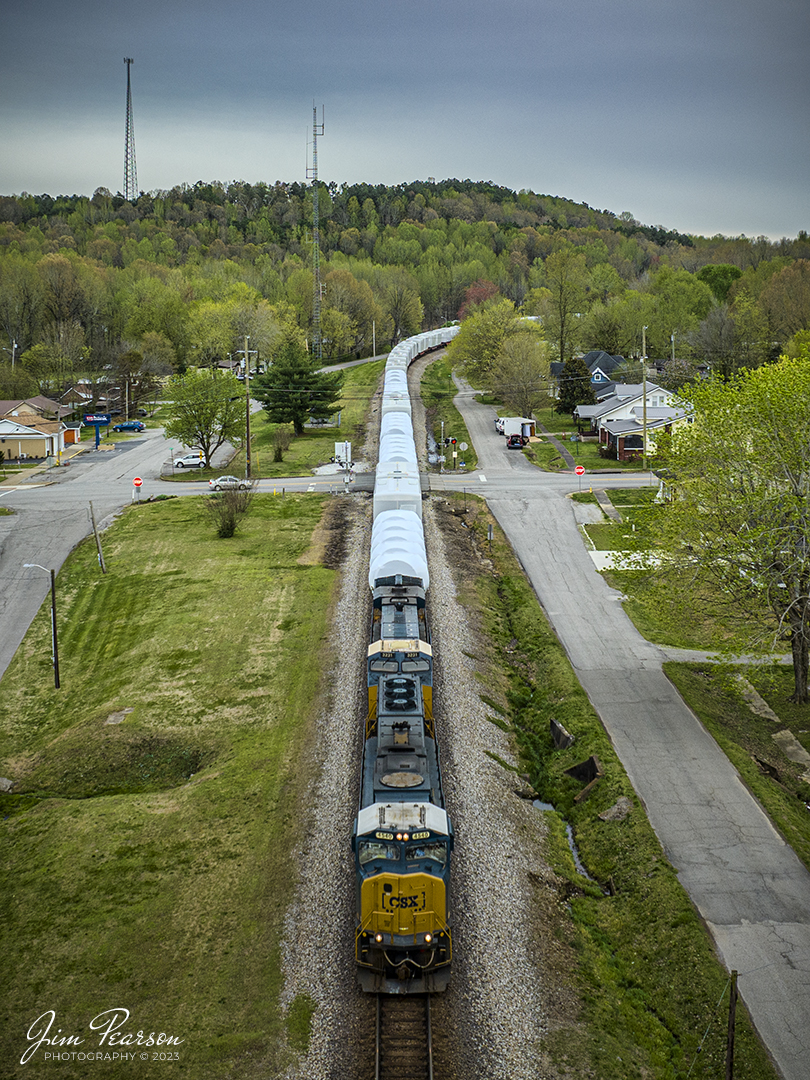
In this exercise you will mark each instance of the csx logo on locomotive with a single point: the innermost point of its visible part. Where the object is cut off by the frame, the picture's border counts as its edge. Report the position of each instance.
(391, 903)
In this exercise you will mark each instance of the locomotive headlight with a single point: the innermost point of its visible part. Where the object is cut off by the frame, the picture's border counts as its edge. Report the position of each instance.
(378, 938)
(428, 938)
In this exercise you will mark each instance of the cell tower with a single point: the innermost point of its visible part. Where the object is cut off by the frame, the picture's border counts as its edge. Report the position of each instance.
(312, 174)
(130, 168)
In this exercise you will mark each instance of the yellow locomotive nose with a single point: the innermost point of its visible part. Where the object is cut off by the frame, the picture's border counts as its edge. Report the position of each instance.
(404, 905)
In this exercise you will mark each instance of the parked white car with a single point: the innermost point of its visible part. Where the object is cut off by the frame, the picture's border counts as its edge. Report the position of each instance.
(228, 483)
(190, 461)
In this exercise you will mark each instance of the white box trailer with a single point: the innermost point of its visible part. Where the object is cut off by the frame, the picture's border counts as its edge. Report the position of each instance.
(518, 425)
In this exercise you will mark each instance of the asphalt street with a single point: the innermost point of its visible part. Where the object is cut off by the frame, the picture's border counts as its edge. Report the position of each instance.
(746, 882)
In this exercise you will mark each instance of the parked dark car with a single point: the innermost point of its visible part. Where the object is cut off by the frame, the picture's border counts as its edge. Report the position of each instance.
(514, 442)
(130, 425)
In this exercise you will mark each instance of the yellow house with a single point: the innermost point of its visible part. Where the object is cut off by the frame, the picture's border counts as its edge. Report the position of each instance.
(30, 436)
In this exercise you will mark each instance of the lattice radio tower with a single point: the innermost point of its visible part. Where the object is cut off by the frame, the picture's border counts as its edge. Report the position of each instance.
(130, 168)
(312, 174)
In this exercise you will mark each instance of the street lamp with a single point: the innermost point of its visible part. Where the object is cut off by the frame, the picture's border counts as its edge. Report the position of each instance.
(32, 566)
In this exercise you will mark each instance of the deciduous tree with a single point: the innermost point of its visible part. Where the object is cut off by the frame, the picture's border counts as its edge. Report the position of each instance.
(520, 373)
(16, 383)
(206, 410)
(566, 277)
(786, 298)
(740, 517)
(480, 339)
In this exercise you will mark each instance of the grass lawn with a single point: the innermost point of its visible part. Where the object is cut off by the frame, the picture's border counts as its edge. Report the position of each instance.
(714, 692)
(317, 445)
(548, 457)
(638, 955)
(438, 391)
(632, 503)
(556, 423)
(157, 794)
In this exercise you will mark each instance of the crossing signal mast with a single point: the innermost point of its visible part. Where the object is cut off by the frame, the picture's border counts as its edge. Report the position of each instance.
(130, 168)
(312, 174)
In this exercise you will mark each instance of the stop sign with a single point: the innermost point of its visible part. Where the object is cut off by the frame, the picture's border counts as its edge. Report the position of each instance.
(137, 481)
(580, 469)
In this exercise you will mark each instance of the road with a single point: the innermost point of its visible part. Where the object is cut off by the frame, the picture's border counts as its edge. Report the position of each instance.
(745, 881)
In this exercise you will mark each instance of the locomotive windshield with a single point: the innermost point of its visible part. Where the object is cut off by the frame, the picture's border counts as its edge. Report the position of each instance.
(435, 850)
(387, 666)
(374, 850)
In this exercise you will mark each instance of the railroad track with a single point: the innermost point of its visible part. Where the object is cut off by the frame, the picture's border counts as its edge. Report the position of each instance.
(404, 1041)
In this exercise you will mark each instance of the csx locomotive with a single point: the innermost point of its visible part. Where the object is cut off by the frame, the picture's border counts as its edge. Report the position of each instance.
(402, 837)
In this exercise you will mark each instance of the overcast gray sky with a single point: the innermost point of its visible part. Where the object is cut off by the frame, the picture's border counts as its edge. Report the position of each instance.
(691, 114)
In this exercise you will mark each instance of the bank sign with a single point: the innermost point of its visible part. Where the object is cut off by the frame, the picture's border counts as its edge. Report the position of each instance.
(97, 418)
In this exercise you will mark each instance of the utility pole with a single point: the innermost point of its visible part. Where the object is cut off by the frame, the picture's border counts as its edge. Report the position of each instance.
(130, 168)
(13, 351)
(247, 407)
(98, 541)
(644, 392)
(312, 174)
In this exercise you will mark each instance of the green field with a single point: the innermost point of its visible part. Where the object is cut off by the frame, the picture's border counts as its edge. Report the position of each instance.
(146, 852)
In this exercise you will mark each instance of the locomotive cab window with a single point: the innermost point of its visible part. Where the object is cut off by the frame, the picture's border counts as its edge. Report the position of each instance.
(374, 850)
(386, 666)
(415, 665)
(434, 850)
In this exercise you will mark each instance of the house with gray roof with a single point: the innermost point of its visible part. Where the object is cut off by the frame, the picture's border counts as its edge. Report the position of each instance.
(623, 439)
(621, 402)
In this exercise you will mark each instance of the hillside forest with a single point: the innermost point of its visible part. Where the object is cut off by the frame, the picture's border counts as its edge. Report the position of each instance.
(93, 286)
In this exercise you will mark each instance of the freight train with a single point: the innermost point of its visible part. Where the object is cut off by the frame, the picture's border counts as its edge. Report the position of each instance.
(402, 836)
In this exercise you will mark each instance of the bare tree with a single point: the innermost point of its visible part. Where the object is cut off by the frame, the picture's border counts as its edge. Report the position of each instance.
(228, 507)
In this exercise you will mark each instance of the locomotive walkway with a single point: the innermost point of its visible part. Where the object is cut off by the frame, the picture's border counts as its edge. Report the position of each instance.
(746, 882)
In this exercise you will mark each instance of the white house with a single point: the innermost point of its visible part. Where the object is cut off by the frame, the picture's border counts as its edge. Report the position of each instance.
(623, 403)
